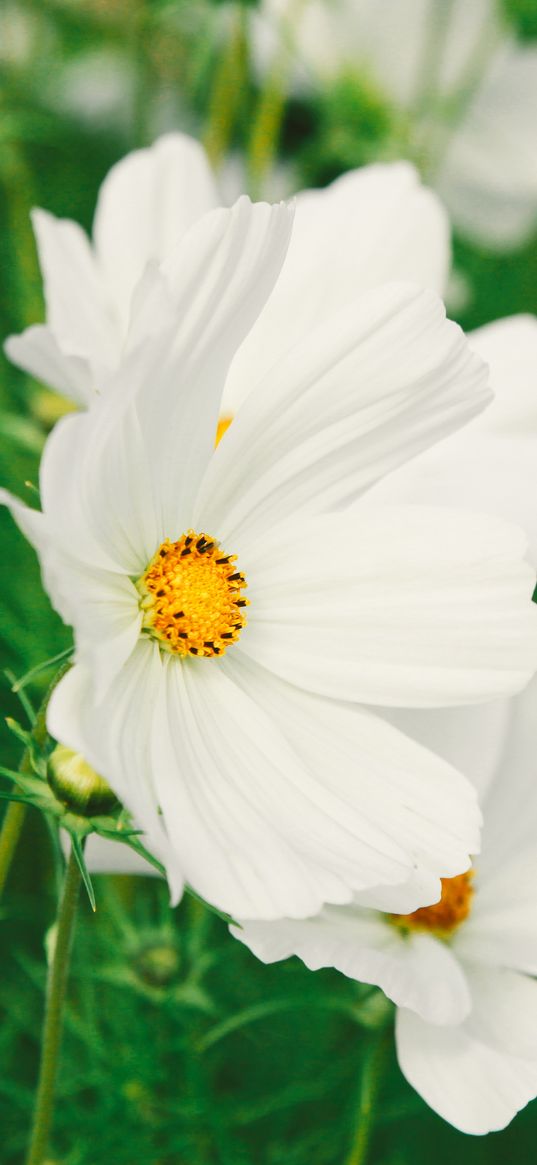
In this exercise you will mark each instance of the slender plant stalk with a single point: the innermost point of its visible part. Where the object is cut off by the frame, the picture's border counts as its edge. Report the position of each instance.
(52, 1028)
(9, 836)
(367, 1099)
(266, 128)
(268, 117)
(16, 812)
(228, 90)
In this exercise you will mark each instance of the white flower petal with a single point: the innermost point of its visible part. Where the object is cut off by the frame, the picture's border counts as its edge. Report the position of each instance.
(488, 177)
(490, 464)
(111, 857)
(79, 312)
(218, 278)
(379, 784)
(420, 889)
(146, 204)
(31, 522)
(393, 605)
(102, 605)
(420, 972)
(370, 389)
(99, 601)
(96, 488)
(472, 738)
(509, 347)
(502, 927)
(504, 1010)
(371, 226)
(475, 1087)
(258, 835)
(38, 352)
(114, 736)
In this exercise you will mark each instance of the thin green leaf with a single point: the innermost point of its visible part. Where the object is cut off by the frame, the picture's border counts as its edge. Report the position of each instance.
(18, 731)
(262, 1010)
(213, 909)
(24, 699)
(9, 773)
(79, 855)
(21, 683)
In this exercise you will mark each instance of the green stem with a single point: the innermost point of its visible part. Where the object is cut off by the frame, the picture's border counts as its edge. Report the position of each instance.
(228, 90)
(367, 1098)
(140, 40)
(52, 1028)
(268, 117)
(9, 836)
(16, 812)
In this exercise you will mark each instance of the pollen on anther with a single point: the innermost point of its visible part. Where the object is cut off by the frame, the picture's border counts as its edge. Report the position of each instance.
(190, 597)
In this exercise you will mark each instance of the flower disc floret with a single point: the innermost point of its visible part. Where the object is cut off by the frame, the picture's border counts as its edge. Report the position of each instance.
(445, 916)
(191, 596)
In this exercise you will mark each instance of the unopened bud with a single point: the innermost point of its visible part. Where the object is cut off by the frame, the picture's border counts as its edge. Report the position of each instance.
(77, 785)
(158, 964)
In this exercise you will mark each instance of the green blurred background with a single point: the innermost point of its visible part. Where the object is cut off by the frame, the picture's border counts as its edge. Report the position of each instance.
(179, 1047)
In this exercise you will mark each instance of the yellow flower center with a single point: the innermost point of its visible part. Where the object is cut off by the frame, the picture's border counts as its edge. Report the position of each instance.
(445, 916)
(191, 596)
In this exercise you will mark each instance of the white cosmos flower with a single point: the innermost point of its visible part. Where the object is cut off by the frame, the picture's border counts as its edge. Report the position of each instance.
(257, 774)
(467, 89)
(369, 227)
(459, 972)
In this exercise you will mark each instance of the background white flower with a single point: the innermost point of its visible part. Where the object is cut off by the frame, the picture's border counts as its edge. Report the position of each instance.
(468, 89)
(250, 776)
(466, 1026)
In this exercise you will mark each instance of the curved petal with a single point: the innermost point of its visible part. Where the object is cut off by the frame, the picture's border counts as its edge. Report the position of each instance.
(218, 280)
(407, 606)
(146, 204)
(371, 388)
(111, 857)
(490, 464)
(488, 177)
(258, 835)
(472, 738)
(114, 736)
(420, 889)
(96, 487)
(371, 226)
(101, 604)
(475, 1087)
(504, 1010)
(389, 788)
(38, 352)
(420, 973)
(503, 925)
(30, 522)
(78, 310)
(509, 347)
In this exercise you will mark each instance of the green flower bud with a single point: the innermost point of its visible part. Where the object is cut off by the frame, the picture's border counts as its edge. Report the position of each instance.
(77, 786)
(158, 963)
